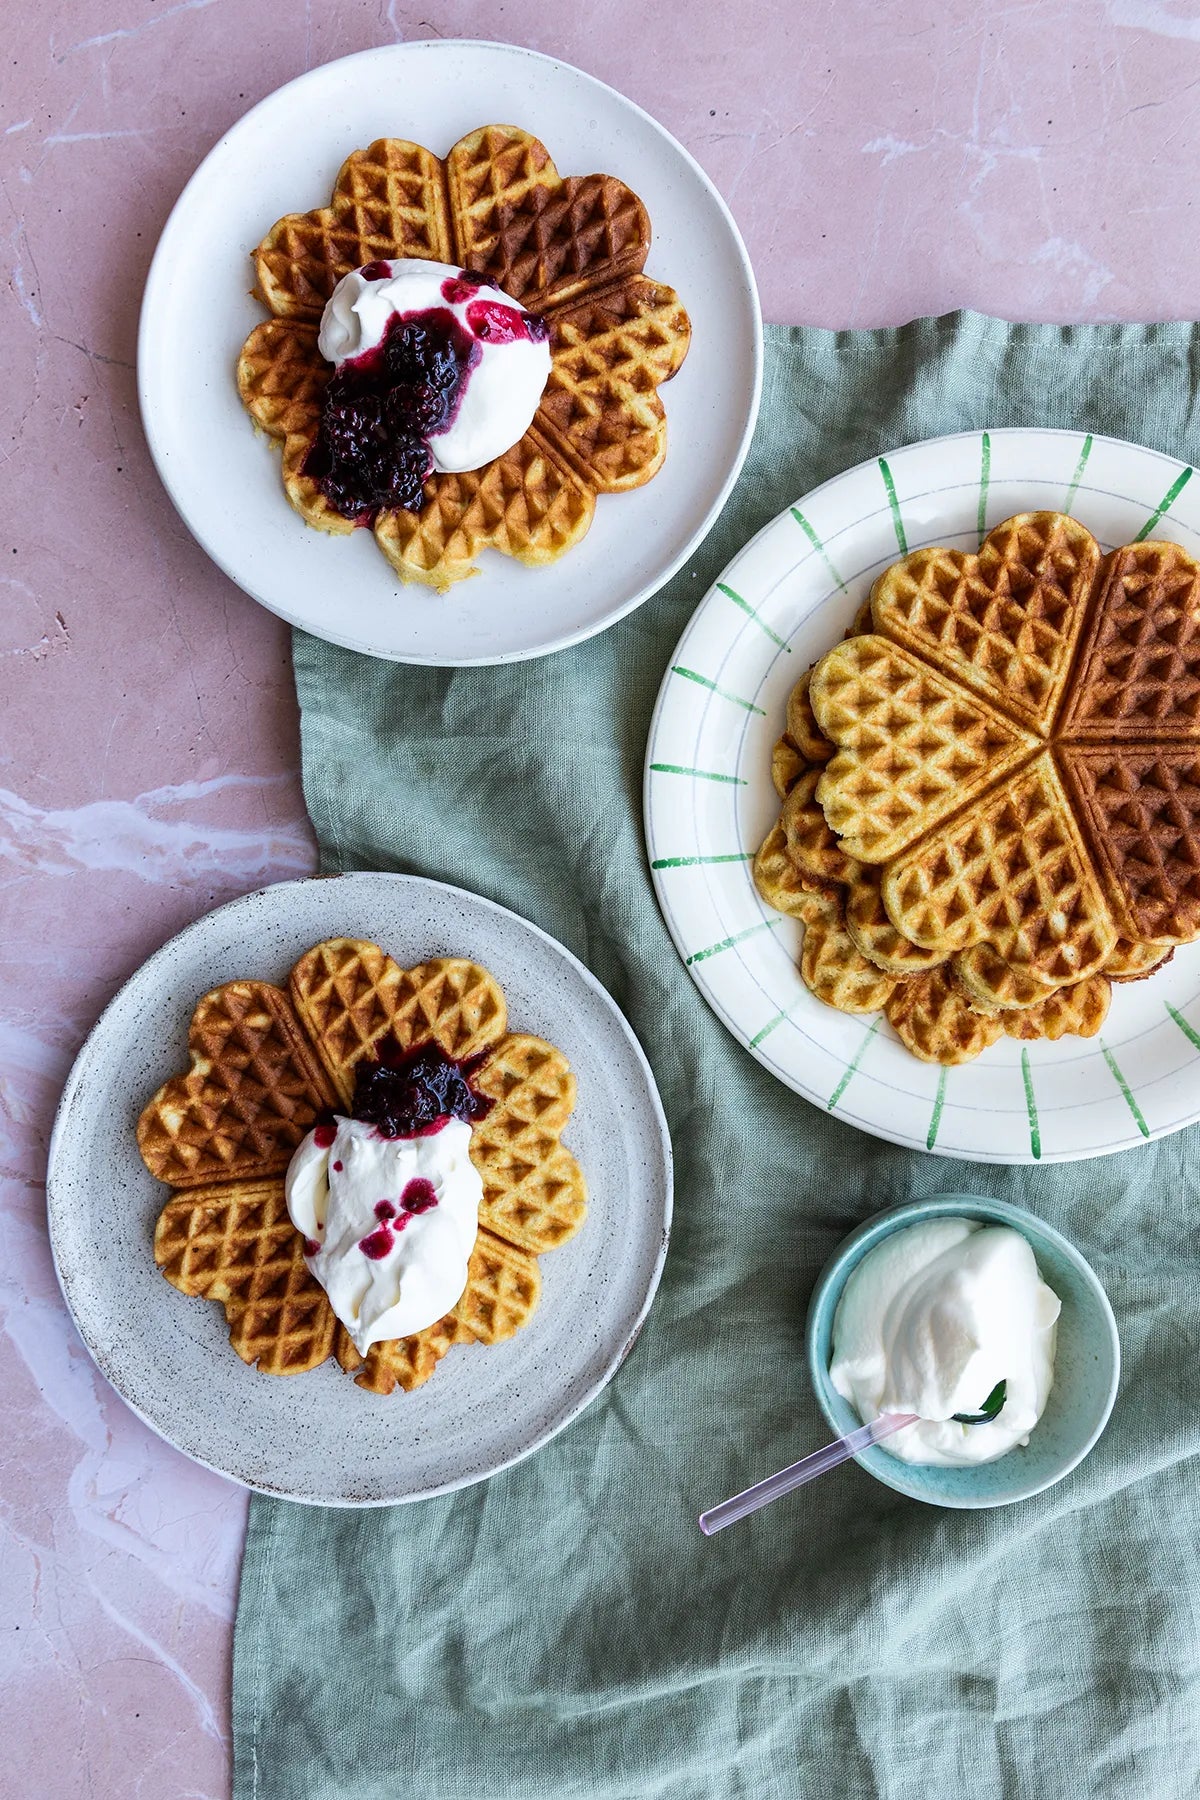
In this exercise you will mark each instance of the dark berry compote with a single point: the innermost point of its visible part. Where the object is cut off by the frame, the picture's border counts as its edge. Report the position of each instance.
(412, 1093)
(380, 409)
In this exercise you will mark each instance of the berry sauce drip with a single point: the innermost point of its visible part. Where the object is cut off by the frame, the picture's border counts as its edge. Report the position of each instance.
(460, 287)
(418, 1197)
(413, 1093)
(323, 1136)
(500, 324)
(380, 408)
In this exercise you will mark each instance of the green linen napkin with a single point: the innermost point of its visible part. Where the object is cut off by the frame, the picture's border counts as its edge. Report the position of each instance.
(564, 1630)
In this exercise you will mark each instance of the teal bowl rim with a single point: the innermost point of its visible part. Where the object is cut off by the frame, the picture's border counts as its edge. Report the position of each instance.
(887, 1469)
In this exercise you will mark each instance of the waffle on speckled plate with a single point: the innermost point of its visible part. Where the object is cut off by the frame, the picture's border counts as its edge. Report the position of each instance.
(265, 1065)
(991, 788)
(569, 248)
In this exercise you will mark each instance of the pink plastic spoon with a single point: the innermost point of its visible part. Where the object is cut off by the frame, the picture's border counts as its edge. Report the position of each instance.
(797, 1473)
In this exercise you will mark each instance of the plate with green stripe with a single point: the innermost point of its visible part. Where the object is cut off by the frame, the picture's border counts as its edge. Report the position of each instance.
(709, 802)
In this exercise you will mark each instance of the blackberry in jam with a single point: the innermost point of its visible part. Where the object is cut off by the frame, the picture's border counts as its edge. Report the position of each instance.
(413, 1093)
(379, 409)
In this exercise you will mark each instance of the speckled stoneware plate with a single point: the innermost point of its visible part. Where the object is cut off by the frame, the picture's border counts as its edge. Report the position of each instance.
(317, 1437)
(223, 476)
(781, 603)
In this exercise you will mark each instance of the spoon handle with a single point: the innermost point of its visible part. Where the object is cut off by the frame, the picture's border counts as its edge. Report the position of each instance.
(797, 1473)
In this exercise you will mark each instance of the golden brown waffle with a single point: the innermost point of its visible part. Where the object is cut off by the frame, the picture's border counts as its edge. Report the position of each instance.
(992, 986)
(812, 846)
(1006, 621)
(503, 1288)
(1091, 815)
(1134, 962)
(787, 766)
(253, 1090)
(782, 886)
(233, 1241)
(350, 996)
(1012, 871)
(802, 725)
(1015, 783)
(873, 932)
(912, 746)
(833, 968)
(1078, 1009)
(931, 1017)
(572, 249)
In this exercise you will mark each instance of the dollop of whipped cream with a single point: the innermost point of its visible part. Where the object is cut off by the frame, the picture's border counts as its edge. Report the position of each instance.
(505, 351)
(389, 1223)
(930, 1322)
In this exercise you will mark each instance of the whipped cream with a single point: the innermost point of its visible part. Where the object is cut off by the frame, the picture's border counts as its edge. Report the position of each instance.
(930, 1321)
(389, 1223)
(506, 351)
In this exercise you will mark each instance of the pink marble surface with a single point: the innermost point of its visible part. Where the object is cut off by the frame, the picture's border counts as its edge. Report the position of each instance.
(882, 161)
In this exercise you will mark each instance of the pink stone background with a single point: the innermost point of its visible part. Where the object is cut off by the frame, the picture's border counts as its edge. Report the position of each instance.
(1035, 161)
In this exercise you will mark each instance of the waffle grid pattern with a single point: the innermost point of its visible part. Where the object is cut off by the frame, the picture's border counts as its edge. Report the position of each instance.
(233, 1240)
(571, 249)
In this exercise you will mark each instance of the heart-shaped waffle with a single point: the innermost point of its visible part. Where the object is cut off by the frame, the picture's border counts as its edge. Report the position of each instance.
(1018, 747)
(569, 248)
(232, 1239)
(253, 1090)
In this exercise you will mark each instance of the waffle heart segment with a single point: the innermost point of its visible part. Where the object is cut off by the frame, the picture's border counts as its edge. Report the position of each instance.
(351, 997)
(1006, 621)
(571, 249)
(502, 1291)
(1011, 871)
(234, 1242)
(912, 746)
(1141, 809)
(254, 1088)
(1139, 672)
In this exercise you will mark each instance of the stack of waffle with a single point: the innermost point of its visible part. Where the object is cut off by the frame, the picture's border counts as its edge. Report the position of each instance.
(571, 249)
(991, 788)
(265, 1066)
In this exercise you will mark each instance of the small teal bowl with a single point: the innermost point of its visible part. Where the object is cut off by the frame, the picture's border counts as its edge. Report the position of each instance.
(1087, 1362)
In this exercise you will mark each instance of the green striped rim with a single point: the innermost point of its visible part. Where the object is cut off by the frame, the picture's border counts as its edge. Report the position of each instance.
(985, 475)
(1035, 1135)
(767, 1029)
(897, 521)
(1125, 1088)
(935, 1117)
(1165, 504)
(690, 862)
(750, 613)
(818, 546)
(1077, 477)
(700, 774)
(1189, 1031)
(729, 942)
(704, 682)
(852, 1066)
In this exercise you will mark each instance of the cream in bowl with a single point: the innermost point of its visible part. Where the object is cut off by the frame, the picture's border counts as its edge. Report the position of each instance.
(949, 1319)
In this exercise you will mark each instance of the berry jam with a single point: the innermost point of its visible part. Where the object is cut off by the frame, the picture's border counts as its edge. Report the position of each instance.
(371, 449)
(377, 1245)
(460, 287)
(323, 1136)
(413, 1093)
(418, 1197)
(311, 1247)
(500, 324)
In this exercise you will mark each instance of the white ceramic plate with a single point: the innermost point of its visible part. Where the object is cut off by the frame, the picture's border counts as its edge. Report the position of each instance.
(317, 1437)
(709, 802)
(223, 476)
